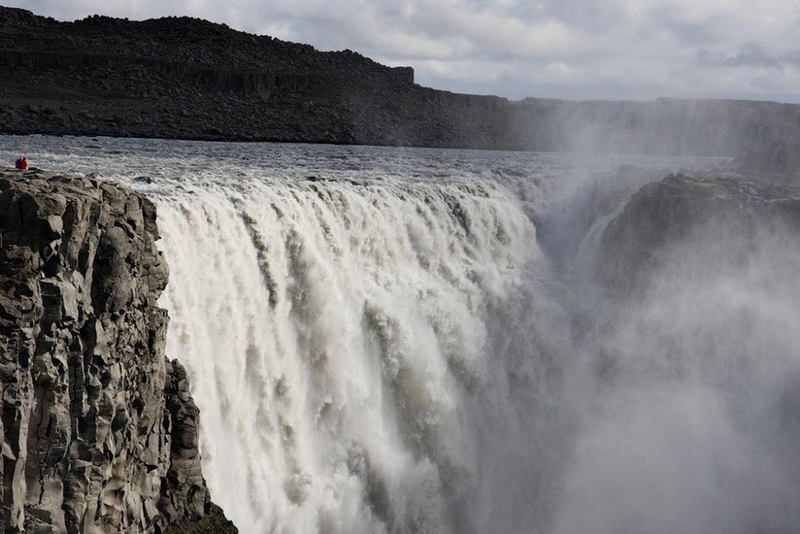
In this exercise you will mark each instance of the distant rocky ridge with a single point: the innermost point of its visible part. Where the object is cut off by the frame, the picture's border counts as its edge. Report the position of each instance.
(190, 79)
(99, 431)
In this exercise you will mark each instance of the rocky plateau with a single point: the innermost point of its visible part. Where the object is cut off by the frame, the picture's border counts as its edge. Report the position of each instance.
(186, 78)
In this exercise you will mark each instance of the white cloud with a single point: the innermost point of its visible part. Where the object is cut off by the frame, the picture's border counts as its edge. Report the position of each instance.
(573, 48)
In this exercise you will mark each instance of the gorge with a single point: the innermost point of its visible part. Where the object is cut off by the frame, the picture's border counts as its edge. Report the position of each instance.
(419, 312)
(384, 339)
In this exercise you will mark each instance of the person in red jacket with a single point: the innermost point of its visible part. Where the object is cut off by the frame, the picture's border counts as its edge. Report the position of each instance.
(23, 163)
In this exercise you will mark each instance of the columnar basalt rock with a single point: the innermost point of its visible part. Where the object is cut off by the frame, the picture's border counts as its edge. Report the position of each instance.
(99, 431)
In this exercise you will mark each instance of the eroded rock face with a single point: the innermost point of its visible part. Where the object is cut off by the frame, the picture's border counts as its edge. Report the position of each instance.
(724, 216)
(99, 432)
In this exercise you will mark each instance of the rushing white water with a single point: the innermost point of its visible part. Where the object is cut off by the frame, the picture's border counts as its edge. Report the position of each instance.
(333, 331)
(377, 343)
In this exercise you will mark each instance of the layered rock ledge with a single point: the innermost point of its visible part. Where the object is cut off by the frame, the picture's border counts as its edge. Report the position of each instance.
(99, 431)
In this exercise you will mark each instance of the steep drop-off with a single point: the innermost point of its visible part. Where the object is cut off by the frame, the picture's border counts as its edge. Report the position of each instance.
(99, 432)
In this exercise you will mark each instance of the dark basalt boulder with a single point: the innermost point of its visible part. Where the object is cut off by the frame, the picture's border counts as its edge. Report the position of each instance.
(98, 429)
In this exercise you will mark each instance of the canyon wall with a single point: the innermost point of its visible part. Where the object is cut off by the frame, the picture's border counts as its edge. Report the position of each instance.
(99, 431)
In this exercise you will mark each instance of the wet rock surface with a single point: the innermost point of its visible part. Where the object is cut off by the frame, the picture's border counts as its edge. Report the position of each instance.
(726, 216)
(99, 431)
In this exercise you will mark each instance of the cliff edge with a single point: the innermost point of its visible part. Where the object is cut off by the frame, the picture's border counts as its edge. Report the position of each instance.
(99, 430)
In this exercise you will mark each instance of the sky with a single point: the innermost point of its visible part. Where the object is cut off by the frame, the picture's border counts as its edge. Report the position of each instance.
(573, 49)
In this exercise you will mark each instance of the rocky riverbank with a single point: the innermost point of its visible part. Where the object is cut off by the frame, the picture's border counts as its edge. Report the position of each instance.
(99, 431)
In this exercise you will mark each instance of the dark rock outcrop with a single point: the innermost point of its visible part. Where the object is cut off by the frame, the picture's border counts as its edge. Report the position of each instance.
(724, 216)
(99, 432)
(191, 79)
(213, 522)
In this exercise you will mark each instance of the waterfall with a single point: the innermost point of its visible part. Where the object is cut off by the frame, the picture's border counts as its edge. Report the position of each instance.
(344, 346)
(377, 342)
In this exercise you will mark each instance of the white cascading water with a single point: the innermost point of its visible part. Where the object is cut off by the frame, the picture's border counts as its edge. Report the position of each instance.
(333, 333)
(377, 343)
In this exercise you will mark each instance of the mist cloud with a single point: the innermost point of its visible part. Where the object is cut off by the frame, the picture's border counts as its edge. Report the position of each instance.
(515, 48)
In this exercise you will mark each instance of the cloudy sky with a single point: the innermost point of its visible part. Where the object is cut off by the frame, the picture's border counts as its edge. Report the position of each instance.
(577, 49)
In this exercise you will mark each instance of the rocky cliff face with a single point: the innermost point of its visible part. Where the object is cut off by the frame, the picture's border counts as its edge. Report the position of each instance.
(99, 431)
(717, 219)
